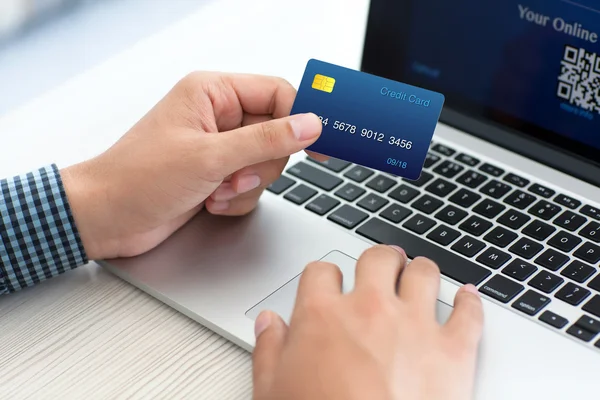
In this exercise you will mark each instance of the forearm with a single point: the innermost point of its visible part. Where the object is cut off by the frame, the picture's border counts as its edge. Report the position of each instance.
(38, 236)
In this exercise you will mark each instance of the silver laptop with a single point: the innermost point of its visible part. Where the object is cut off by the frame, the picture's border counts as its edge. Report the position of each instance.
(509, 197)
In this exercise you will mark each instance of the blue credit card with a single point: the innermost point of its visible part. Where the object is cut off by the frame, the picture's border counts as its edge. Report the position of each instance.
(369, 120)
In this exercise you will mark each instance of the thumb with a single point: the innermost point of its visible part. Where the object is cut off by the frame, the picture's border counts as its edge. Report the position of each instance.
(270, 336)
(270, 140)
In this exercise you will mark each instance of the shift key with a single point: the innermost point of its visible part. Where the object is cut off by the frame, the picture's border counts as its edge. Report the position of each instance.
(314, 176)
(450, 264)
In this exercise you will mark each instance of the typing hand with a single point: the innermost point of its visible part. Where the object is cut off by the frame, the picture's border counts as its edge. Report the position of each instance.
(371, 343)
(215, 141)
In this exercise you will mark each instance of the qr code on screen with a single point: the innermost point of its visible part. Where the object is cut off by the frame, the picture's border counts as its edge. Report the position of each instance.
(579, 80)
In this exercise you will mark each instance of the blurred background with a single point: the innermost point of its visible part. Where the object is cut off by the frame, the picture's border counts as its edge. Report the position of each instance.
(45, 42)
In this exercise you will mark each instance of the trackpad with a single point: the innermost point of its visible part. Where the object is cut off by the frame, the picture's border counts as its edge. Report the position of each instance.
(282, 300)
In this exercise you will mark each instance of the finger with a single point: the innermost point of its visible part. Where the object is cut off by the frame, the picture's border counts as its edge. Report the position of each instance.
(270, 331)
(420, 284)
(378, 268)
(317, 156)
(238, 206)
(319, 278)
(251, 119)
(254, 144)
(466, 321)
(259, 175)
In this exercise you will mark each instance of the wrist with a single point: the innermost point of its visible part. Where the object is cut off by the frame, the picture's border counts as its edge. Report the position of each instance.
(87, 195)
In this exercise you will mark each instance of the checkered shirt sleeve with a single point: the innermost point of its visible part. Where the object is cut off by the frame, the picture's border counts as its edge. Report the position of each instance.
(38, 236)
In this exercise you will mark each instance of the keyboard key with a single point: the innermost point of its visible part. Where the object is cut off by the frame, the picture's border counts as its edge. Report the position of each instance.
(445, 150)
(475, 225)
(491, 169)
(281, 185)
(332, 164)
(552, 260)
(395, 213)
(322, 204)
(593, 306)
(580, 333)
(541, 190)
(500, 237)
(539, 230)
(467, 159)
(347, 216)
(451, 215)
(489, 208)
(520, 199)
(423, 179)
(496, 189)
(431, 159)
(567, 201)
(591, 231)
(588, 252)
(591, 212)
(381, 183)
(595, 283)
(589, 324)
(448, 169)
(450, 264)
(441, 187)
(570, 221)
(358, 173)
(300, 194)
(372, 202)
(471, 179)
(443, 235)
(404, 194)
(572, 294)
(564, 241)
(546, 282)
(350, 192)
(526, 248)
(578, 271)
(544, 210)
(465, 198)
(519, 270)
(531, 302)
(427, 204)
(468, 246)
(493, 258)
(501, 288)
(554, 320)
(314, 176)
(597, 344)
(516, 180)
(513, 219)
(419, 224)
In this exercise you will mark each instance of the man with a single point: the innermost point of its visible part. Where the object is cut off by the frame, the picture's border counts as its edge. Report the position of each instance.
(214, 143)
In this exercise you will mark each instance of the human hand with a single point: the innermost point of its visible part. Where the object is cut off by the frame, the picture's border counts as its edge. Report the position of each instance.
(214, 141)
(373, 342)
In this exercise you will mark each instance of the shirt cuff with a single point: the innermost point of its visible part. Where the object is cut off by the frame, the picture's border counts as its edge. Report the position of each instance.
(38, 236)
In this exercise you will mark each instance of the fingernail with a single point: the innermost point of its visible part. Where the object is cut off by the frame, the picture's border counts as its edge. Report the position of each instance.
(306, 126)
(248, 183)
(399, 250)
(220, 206)
(262, 322)
(224, 193)
(471, 289)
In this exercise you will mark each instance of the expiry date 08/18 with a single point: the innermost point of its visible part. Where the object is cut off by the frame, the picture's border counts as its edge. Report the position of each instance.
(369, 134)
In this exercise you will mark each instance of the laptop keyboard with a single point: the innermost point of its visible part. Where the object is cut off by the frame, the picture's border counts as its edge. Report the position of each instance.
(523, 244)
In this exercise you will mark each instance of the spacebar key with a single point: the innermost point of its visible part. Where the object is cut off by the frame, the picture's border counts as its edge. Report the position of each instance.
(451, 265)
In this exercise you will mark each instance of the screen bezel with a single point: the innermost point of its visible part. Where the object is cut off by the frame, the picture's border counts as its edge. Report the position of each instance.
(556, 151)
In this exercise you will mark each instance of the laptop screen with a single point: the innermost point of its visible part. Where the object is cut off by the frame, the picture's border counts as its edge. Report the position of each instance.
(531, 65)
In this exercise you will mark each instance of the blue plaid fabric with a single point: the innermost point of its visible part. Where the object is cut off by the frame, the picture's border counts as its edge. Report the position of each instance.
(38, 236)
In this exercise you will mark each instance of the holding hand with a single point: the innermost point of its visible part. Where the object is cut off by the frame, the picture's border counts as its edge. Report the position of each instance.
(215, 141)
(380, 341)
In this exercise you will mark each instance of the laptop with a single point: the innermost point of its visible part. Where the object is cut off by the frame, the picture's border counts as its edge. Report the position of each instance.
(509, 197)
